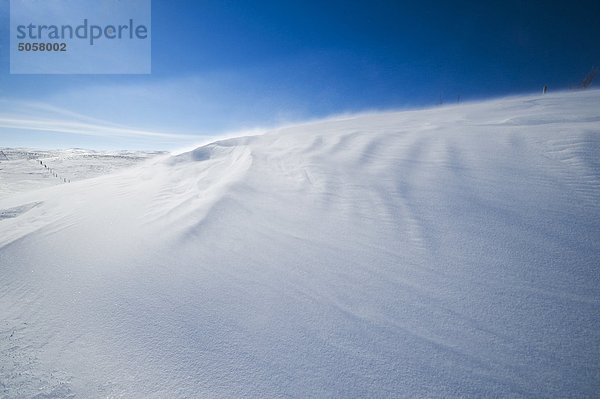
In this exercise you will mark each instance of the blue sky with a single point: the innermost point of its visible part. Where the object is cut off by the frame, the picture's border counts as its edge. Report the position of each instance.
(226, 66)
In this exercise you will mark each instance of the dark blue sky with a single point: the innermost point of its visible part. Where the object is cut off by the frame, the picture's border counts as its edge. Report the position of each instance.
(384, 52)
(226, 65)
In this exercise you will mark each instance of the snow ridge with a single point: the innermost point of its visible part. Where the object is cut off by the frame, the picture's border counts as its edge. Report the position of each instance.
(448, 252)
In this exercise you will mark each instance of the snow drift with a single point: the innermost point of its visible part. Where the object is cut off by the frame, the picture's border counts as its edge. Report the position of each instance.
(437, 253)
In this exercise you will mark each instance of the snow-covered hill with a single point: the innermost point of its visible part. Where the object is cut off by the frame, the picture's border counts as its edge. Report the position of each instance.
(24, 169)
(438, 253)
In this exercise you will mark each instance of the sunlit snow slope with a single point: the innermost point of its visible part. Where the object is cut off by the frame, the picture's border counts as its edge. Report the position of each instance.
(438, 253)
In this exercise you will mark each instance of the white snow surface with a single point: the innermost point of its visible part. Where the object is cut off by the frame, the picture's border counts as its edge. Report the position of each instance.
(448, 252)
(21, 170)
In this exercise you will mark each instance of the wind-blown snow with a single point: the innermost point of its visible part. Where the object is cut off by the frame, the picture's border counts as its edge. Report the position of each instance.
(439, 253)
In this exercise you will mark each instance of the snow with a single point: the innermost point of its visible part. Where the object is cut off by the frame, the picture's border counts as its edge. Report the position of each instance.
(447, 252)
(21, 170)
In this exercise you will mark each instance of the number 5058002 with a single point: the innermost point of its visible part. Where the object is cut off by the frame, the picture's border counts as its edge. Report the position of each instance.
(42, 47)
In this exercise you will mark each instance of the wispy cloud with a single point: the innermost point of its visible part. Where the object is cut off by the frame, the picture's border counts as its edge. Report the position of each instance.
(31, 116)
(144, 112)
(63, 126)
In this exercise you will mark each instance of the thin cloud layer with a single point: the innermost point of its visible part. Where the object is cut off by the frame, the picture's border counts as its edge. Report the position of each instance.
(40, 117)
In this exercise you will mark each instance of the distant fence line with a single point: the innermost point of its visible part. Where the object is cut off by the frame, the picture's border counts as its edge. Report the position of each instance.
(53, 172)
(33, 156)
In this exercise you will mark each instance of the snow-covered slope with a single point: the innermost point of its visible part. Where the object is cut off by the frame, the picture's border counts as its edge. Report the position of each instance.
(437, 253)
(24, 169)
